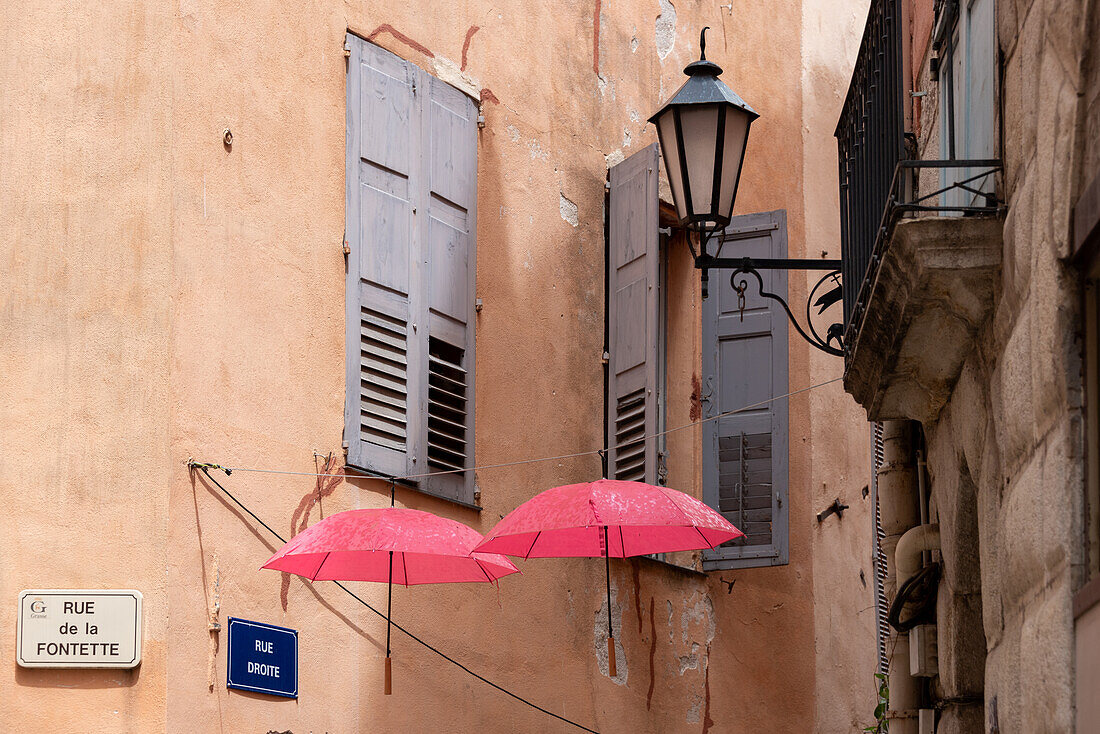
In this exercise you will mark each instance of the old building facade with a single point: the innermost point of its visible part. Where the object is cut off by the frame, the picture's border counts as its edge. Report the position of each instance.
(970, 326)
(271, 237)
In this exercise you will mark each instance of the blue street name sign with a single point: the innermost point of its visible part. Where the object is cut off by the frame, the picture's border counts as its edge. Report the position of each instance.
(262, 658)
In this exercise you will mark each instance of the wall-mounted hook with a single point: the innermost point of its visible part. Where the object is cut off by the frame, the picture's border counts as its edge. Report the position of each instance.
(834, 509)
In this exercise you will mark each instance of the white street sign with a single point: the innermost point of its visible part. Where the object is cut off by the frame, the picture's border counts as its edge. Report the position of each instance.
(79, 628)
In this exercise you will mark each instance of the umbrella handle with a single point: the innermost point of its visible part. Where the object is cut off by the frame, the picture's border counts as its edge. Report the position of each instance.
(389, 682)
(611, 656)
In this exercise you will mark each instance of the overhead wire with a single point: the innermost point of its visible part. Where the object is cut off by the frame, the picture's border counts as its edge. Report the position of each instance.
(205, 470)
(521, 462)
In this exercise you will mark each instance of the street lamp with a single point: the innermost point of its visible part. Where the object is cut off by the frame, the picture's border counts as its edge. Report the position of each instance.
(703, 130)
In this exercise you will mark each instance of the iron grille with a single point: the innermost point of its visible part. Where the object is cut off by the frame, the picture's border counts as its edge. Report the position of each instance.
(871, 142)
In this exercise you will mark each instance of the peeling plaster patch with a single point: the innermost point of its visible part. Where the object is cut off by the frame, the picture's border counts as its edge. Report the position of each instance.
(698, 609)
(600, 637)
(670, 621)
(634, 116)
(634, 42)
(696, 709)
(691, 660)
(514, 132)
(568, 210)
(605, 87)
(614, 158)
(666, 29)
(537, 152)
(450, 72)
(626, 138)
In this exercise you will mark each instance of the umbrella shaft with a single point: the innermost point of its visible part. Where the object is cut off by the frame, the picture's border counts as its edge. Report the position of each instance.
(607, 569)
(389, 605)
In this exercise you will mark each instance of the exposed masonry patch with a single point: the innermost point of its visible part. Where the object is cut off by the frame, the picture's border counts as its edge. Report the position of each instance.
(670, 620)
(634, 42)
(691, 660)
(700, 610)
(600, 637)
(626, 138)
(537, 152)
(605, 87)
(666, 29)
(568, 210)
(614, 158)
(449, 71)
(696, 709)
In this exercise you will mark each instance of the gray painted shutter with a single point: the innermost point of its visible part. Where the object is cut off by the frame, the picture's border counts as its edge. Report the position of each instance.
(745, 362)
(633, 299)
(383, 159)
(449, 265)
(411, 191)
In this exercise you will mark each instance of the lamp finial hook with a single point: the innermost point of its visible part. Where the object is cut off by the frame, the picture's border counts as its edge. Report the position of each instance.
(703, 43)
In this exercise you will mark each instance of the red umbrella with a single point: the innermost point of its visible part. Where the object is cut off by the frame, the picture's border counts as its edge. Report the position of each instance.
(608, 518)
(392, 544)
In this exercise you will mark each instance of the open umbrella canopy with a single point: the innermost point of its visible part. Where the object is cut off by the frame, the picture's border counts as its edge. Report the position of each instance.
(356, 545)
(636, 518)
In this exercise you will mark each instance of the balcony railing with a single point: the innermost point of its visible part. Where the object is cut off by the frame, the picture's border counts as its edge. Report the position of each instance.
(871, 140)
(878, 182)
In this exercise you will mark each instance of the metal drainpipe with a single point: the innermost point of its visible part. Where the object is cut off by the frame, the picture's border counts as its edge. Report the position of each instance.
(900, 508)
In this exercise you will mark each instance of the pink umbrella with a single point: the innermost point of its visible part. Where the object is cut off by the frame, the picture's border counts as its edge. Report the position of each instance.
(392, 544)
(608, 518)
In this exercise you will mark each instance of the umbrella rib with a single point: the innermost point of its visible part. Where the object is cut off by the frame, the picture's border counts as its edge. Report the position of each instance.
(702, 536)
(532, 545)
(678, 509)
(483, 570)
(322, 563)
(622, 543)
(405, 569)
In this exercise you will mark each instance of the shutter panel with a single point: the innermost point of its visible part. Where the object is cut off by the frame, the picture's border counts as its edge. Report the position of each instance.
(383, 155)
(411, 225)
(449, 265)
(745, 362)
(633, 299)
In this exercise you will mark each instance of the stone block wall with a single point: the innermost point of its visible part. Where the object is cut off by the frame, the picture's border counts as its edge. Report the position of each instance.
(1005, 456)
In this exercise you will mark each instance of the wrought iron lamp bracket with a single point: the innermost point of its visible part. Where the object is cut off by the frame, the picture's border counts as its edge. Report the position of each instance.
(744, 266)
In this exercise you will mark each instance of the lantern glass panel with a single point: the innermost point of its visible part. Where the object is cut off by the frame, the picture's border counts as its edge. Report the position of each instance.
(699, 126)
(736, 133)
(666, 134)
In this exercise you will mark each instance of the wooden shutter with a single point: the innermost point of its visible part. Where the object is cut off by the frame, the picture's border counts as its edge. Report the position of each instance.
(633, 300)
(450, 130)
(745, 362)
(383, 159)
(410, 226)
